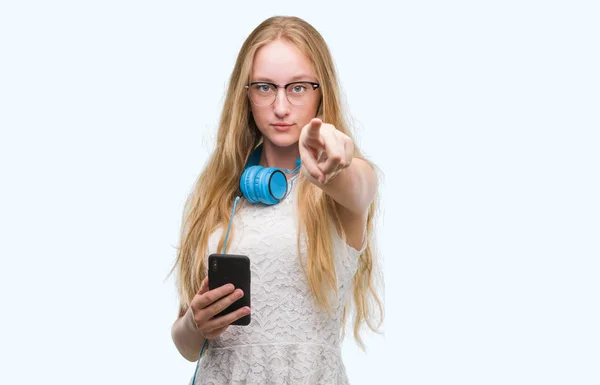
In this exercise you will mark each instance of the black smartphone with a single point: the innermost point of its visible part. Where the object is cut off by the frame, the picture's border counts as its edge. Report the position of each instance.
(234, 269)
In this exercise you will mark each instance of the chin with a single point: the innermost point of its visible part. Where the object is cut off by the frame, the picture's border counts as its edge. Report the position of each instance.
(281, 139)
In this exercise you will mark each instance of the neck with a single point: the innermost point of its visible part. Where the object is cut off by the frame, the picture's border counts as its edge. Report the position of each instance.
(280, 157)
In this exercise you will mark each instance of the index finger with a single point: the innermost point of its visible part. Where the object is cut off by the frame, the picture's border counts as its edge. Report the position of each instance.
(200, 301)
(314, 128)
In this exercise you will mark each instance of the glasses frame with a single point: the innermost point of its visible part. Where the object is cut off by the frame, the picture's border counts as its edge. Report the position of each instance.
(314, 85)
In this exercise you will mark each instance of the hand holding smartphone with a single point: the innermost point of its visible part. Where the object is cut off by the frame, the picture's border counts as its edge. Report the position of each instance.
(224, 297)
(232, 269)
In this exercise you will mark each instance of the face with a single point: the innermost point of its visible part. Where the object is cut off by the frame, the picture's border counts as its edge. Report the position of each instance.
(281, 63)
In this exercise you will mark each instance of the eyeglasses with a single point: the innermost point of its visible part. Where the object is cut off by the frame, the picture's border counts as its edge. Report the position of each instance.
(263, 94)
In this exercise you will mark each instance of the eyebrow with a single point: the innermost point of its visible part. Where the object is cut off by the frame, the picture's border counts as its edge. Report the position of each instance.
(293, 79)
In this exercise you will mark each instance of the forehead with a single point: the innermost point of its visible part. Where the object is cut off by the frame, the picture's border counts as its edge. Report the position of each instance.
(281, 62)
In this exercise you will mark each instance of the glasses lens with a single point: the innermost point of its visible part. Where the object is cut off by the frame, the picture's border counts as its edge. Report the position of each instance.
(262, 94)
(299, 93)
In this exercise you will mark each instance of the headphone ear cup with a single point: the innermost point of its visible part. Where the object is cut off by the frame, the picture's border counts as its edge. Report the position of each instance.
(266, 185)
(276, 186)
(247, 183)
(270, 185)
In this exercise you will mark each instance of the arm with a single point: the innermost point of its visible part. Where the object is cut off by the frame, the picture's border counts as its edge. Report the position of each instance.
(328, 161)
(186, 336)
(353, 187)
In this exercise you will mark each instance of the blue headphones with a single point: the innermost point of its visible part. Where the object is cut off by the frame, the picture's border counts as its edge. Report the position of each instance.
(267, 185)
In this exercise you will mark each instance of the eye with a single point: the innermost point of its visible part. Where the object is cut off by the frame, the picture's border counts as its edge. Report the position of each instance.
(299, 88)
(263, 87)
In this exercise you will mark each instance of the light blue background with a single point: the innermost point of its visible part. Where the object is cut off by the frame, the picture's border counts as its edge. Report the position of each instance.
(484, 117)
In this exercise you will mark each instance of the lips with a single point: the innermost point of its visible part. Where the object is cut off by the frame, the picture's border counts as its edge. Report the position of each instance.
(282, 126)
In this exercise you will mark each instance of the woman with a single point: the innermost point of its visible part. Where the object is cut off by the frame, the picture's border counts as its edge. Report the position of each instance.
(311, 250)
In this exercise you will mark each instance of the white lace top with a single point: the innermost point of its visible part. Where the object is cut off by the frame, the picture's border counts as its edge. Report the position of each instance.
(288, 340)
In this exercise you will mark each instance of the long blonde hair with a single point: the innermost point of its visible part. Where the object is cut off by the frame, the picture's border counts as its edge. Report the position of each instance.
(209, 205)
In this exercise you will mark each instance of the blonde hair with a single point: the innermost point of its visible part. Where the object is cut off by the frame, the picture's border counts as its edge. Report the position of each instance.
(209, 205)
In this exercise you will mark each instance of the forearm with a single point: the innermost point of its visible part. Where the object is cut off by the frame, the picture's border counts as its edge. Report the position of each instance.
(186, 336)
(353, 188)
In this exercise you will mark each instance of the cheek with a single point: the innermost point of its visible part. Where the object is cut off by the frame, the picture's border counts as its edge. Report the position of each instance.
(260, 117)
(311, 110)
(307, 114)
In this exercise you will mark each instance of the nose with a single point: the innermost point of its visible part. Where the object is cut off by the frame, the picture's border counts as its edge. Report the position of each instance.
(281, 104)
